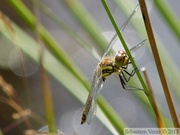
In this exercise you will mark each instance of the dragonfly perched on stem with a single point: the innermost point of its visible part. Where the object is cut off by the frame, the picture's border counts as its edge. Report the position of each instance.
(107, 66)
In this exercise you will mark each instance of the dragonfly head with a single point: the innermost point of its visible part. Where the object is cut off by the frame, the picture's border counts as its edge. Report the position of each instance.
(121, 59)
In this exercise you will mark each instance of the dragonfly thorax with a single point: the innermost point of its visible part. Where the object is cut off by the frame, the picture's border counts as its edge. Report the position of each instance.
(121, 59)
(107, 67)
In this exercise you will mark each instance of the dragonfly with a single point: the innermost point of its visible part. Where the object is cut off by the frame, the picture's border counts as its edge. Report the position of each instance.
(107, 66)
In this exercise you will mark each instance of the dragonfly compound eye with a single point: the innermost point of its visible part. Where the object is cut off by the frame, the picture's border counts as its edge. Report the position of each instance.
(120, 58)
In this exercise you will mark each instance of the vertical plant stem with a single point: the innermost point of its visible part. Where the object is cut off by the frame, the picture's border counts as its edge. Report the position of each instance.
(125, 46)
(47, 101)
(151, 97)
(158, 63)
(49, 110)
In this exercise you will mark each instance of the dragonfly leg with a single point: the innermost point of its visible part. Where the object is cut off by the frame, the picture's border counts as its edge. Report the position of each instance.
(129, 74)
(124, 84)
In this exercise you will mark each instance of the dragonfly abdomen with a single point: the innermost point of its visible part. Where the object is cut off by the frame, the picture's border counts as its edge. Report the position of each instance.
(86, 109)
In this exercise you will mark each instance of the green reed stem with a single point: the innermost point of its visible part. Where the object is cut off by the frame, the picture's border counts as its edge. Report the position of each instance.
(125, 46)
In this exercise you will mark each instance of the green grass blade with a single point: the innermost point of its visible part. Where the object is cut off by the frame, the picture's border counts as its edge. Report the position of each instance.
(30, 20)
(170, 18)
(88, 23)
(125, 46)
(63, 26)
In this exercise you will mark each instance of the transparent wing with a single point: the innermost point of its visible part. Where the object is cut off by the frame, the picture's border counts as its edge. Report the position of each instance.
(115, 37)
(133, 49)
(97, 82)
(89, 110)
(92, 111)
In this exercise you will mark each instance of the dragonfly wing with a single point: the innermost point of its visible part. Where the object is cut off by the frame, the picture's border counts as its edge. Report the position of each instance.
(110, 45)
(90, 107)
(129, 18)
(115, 37)
(133, 49)
(92, 111)
(97, 82)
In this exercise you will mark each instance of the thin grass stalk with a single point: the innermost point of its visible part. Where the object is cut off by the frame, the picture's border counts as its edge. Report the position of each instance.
(160, 122)
(46, 90)
(8, 89)
(170, 18)
(125, 46)
(12, 101)
(49, 110)
(11, 126)
(17, 116)
(158, 63)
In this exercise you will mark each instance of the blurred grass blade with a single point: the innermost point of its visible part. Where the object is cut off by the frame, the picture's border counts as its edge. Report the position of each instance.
(170, 18)
(88, 23)
(63, 26)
